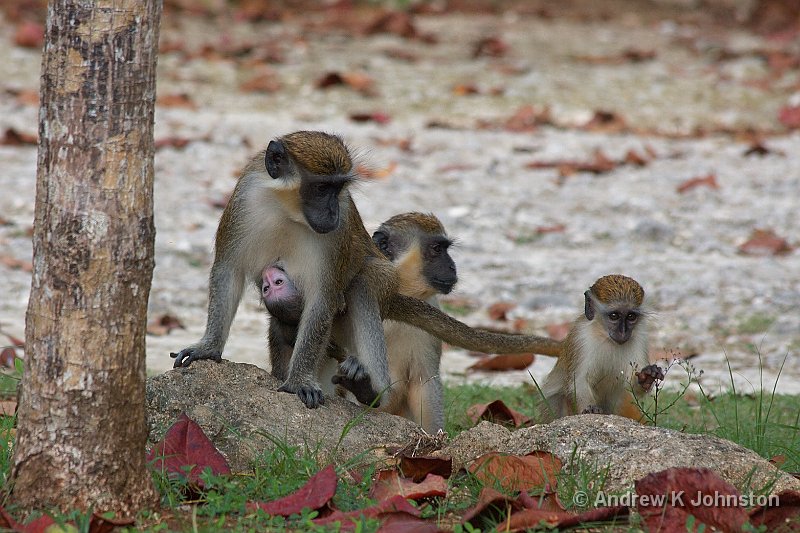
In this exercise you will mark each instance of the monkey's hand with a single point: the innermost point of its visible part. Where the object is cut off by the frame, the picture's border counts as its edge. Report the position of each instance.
(649, 375)
(593, 410)
(354, 377)
(309, 393)
(195, 352)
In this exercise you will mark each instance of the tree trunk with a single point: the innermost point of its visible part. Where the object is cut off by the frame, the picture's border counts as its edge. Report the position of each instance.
(81, 423)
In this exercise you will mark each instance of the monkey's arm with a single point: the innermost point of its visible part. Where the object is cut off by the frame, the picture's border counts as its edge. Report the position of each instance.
(452, 331)
(226, 284)
(281, 339)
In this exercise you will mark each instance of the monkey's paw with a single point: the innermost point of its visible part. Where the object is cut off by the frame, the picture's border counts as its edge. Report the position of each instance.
(354, 377)
(309, 393)
(649, 375)
(593, 410)
(194, 353)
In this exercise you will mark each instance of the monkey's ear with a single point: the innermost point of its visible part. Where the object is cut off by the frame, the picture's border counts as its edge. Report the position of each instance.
(381, 240)
(588, 308)
(276, 160)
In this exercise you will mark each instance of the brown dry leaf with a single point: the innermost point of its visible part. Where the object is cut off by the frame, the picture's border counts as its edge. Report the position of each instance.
(783, 517)
(527, 119)
(503, 362)
(388, 483)
(465, 89)
(630, 55)
(662, 511)
(499, 310)
(789, 116)
(12, 137)
(171, 142)
(632, 157)
(416, 468)
(765, 242)
(558, 331)
(162, 325)
(778, 460)
(760, 149)
(490, 47)
(357, 81)
(536, 470)
(375, 116)
(489, 501)
(497, 412)
(606, 122)
(555, 228)
(8, 407)
(181, 100)
(709, 180)
(393, 22)
(263, 82)
(8, 357)
(16, 264)
(29, 35)
(376, 173)
(27, 97)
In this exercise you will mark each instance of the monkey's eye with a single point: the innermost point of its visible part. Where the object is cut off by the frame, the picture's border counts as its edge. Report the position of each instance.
(436, 248)
(383, 244)
(631, 317)
(613, 316)
(278, 282)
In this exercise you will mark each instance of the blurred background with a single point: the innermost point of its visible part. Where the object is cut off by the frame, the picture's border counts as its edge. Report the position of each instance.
(557, 142)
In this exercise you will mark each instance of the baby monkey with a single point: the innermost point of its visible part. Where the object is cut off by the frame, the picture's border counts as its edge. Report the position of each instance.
(417, 245)
(604, 360)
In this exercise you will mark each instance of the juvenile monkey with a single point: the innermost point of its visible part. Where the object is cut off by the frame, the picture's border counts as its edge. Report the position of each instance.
(605, 354)
(418, 245)
(292, 206)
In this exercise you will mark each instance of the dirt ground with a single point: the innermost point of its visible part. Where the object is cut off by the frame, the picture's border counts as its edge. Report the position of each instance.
(555, 149)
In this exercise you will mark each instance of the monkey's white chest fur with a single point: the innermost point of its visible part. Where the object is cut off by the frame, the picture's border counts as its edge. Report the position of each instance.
(607, 367)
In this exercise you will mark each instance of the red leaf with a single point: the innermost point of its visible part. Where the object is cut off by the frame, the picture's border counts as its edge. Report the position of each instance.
(355, 80)
(265, 82)
(185, 445)
(505, 361)
(498, 412)
(499, 310)
(765, 242)
(674, 494)
(489, 500)
(406, 523)
(783, 515)
(181, 100)
(789, 116)
(98, 524)
(29, 35)
(19, 343)
(12, 137)
(709, 181)
(418, 467)
(376, 116)
(490, 47)
(16, 264)
(388, 483)
(8, 356)
(163, 324)
(465, 89)
(171, 142)
(606, 122)
(317, 492)
(556, 228)
(393, 22)
(527, 119)
(601, 514)
(517, 472)
(395, 504)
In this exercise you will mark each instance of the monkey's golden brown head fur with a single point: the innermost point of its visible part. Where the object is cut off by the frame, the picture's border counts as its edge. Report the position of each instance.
(412, 222)
(618, 288)
(320, 153)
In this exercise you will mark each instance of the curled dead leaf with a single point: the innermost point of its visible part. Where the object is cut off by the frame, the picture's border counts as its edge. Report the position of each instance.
(314, 494)
(420, 466)
(388, 483)
(497, 412)
(504, 361)
(709, 180)
(163, 324)
(536, 470)
(764, 242)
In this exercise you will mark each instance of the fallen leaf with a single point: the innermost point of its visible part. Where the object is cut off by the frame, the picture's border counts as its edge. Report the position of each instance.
(388, 483)
(497, 412)
(171, 142)
(400, 522)
(185, 447)
(416, 468)
(28, 97)
(532, 518)
(499, 310)
(375, 116)
(180, 100)
(789, 116)
(465, 89)
(12, 137)
(8, 356)
(764, 242)
(558, 331)
(395, 23)
(777, 460)
(504, 361)
(601, 514)
(600, 164)
(16, 264)
(372, 173)
(632, 157)
(709, 180)
(101, 524)
(163, 324)
(263, 82)
(490, 503)
(606, 122)
(19, 343)
(785, 516)
(358, 81)
(401, 55)
(556, 228)
(316, 493)
(537, 469)
(456, 167)
(349, 520)
(527, 119)
(490, 47)
(29, 35)
(630, 55)
(662, 510)
(760, 149)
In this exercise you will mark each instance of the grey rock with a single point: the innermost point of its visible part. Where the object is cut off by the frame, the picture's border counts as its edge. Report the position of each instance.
(240, 409)
(628, 450)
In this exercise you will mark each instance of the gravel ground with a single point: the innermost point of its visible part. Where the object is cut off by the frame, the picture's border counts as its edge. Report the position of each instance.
(709, 298)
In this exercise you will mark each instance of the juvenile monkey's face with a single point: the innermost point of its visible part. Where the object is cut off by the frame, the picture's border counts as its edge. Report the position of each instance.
(620, 322)
(280, 295)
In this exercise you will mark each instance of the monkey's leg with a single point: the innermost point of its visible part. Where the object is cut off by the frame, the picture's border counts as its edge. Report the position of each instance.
(629, 409)
(312, 342)
(225, 288)
(280, 351)
(425, 403)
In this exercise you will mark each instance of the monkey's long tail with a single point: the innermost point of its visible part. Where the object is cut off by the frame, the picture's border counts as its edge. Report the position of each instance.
(439, 324)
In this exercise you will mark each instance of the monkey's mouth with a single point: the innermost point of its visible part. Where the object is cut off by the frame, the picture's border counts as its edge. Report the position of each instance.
(444, 287)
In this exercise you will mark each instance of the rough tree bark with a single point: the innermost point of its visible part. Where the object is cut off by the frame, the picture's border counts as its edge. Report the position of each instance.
(81, 422)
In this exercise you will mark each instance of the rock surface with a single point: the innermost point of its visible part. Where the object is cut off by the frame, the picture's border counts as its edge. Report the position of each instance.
(627, 449)
(240, 409)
